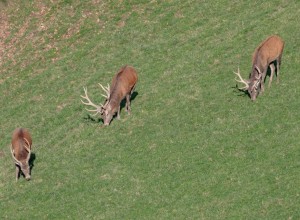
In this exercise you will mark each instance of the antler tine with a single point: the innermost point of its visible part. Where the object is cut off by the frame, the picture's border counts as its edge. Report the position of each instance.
(27, 148)
(93, 110)
(86, 97)
(12, 153)
(90, 103)
(259, 73)
(108, 87)
(106, 90)
(103, 87)
(256, 67)
(241, 80)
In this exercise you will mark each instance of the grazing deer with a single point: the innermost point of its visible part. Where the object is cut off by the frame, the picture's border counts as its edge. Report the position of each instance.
(265, 55)
(21, 151)
(122, 86)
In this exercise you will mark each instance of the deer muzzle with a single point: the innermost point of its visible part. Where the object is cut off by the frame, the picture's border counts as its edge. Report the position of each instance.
(27, 177)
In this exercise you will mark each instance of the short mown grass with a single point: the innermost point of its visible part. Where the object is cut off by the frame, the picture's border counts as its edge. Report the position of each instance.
(194, 147)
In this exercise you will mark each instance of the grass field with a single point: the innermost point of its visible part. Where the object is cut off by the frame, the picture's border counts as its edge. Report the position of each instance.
(194, 146)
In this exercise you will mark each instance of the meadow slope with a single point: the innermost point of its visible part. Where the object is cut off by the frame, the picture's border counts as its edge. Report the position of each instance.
(194, 147)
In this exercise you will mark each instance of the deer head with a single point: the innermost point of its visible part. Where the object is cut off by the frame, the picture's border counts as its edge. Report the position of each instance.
(104, 110)
(251, 85)
(107, 110)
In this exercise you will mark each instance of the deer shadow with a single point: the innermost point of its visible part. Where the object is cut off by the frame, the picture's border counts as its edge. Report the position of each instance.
(93, 120)
(31, 161)
(240, 92)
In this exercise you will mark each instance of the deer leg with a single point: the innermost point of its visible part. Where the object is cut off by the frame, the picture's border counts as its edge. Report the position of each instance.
(262, 87)
(128, 109)
(118, 114)
(278, 63)
(272, 67)
(17, 173)
(128, 97)
(132, 89)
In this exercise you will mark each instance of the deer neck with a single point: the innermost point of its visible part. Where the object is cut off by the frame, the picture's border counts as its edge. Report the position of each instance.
(114, 103)
(115, 96)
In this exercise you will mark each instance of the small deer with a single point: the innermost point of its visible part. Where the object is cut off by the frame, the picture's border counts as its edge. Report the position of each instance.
(265, 55)
(21, 151)
(123, 85)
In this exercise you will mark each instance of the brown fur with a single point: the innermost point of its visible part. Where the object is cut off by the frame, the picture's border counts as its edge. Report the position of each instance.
(265, 55)
(273, 44)
(20, 139)
(122, 86)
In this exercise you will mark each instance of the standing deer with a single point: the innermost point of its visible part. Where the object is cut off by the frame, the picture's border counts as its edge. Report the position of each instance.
(265, 55)
(21, 151)
(122, 86)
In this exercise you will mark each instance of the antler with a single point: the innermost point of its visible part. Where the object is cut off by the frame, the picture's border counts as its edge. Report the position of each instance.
(90, 103)
(258, 78)
(241, 80)
(26, 148)
(258, 70)
(106, 90)
(13, 155)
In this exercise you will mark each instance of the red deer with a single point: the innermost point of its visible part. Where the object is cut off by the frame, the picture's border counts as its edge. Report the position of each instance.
(21, 151)
(265, 55)
(122, 86)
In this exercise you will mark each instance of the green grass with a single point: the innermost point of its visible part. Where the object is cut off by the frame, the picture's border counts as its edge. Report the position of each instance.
(193, 148)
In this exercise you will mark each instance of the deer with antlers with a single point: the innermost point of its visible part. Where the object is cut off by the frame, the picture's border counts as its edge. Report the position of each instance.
(265, 55)
(21, 151)
(122, 86)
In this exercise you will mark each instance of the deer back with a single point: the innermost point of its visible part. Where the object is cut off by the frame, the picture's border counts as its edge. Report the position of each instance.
(122, 83)
(268, 51)
(18, 142)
